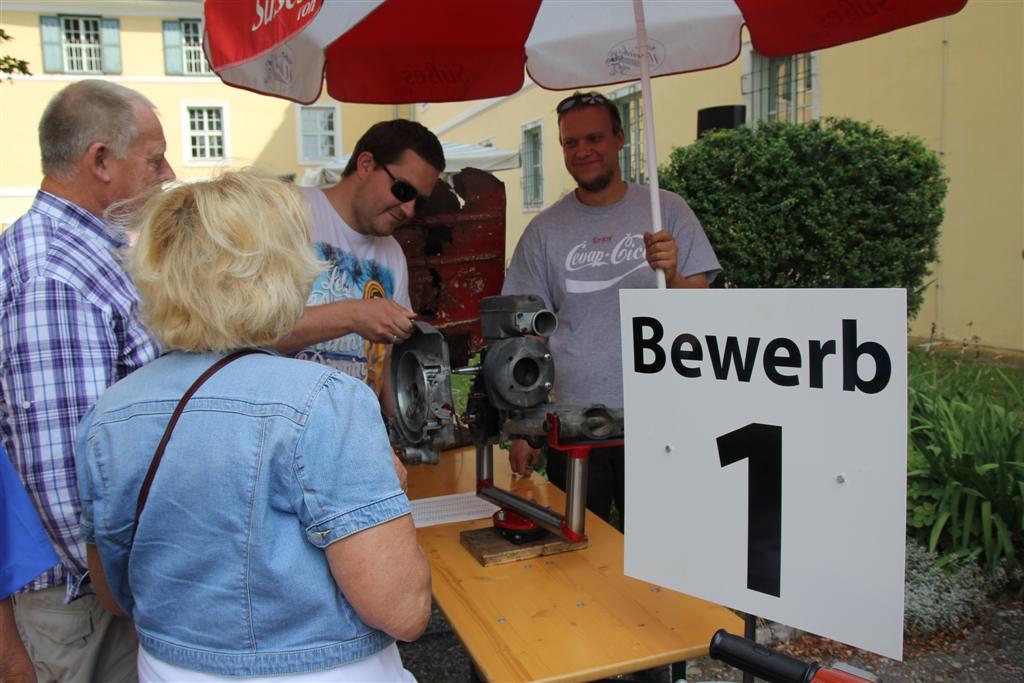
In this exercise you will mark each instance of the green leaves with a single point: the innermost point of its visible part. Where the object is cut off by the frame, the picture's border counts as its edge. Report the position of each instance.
(833, 203)
(9, 65)
(965, 484)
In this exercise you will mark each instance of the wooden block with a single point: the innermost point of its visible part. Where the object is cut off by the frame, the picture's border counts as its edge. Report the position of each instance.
(490, 548)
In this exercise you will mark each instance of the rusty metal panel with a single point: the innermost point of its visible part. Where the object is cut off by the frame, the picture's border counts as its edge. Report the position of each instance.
(456, 257)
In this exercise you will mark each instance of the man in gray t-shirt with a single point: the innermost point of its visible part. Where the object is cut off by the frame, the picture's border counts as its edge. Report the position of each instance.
(577, 254)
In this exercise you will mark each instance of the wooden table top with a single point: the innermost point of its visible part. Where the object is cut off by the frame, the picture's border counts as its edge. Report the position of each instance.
(567, 617)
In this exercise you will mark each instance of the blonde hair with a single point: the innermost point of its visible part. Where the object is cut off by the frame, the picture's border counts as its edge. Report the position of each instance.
(224, 264)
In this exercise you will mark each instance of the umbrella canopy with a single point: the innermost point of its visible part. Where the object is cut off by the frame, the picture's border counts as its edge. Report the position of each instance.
(402, 51)
(457, 156)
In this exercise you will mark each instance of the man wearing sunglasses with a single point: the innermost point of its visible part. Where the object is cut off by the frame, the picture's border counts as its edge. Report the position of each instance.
(577, 254)
(359, 306)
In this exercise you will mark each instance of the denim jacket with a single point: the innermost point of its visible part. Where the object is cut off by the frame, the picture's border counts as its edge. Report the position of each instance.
(273, 460)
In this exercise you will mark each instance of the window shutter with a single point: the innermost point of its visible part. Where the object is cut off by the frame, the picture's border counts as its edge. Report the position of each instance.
(53, 54)
(173, 55)
(110, 39)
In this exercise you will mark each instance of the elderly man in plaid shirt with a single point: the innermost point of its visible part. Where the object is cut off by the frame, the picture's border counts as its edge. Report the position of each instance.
(69, 329)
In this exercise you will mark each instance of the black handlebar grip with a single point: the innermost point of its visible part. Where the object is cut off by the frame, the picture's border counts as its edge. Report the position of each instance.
(765, 664)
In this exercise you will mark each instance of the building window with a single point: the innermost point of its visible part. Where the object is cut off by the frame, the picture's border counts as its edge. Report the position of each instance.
(82, 51)
(318, 134)
(780, 88)
(205, 134)
(80, 45)
(531, 150)
(183, 48)
(192, 42)
(632, 157)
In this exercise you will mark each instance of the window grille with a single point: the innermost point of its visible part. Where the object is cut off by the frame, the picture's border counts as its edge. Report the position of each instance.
(318, 133)
(192, 47)
(83, 49)
(780, 88)
(632, 156)
(533, 167)
(206, 133)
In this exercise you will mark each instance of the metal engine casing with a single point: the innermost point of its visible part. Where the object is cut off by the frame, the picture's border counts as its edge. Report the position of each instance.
(518, 369)
(422, 386)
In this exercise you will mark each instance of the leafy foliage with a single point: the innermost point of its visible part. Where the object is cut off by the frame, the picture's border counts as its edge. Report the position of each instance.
(10, 65)
(832, 203)
(966, 461)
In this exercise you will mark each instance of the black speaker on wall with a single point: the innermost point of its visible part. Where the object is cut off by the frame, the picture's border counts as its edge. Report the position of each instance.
(725, 116)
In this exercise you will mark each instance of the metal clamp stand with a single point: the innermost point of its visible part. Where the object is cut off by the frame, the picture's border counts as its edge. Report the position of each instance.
(570, 526)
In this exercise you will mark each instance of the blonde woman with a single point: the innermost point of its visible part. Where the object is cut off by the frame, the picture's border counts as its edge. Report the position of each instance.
(275, 540)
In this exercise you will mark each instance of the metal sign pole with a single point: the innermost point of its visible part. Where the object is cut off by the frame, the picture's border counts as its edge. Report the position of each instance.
(750, 633)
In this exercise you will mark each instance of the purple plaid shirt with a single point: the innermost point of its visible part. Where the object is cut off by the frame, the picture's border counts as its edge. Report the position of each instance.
(69, 328)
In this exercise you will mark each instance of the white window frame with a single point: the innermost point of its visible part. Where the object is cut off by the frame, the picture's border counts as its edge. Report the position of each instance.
(528, 128)
(300, 133)
(753, 86)
(86, 51)
(633, 155)
(186, 133)
(190, 54)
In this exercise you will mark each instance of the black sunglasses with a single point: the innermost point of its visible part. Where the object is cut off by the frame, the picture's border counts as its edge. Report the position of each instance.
(586, 99)
(405, 192)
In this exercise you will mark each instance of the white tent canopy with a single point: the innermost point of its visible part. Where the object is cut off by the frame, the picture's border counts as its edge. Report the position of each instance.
(457, 156)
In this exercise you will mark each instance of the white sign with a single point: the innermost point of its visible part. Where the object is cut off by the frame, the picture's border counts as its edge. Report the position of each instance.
(766, 456)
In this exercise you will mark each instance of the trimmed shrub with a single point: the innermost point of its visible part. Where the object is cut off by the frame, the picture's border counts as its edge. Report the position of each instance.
(830, 203)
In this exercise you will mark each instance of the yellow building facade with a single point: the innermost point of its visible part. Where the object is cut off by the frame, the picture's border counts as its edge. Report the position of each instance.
(154, 46)
(957, 83)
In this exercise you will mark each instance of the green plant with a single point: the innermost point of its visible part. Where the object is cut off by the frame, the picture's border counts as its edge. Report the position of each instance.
(966, 460)
(941, 597)
(832, 203)
(9, 65)
(461, 385)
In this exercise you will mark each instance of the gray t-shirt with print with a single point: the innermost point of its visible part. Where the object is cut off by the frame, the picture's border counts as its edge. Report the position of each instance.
(577, 258)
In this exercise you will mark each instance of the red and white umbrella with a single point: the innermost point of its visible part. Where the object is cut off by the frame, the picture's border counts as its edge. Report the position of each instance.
(403, 51)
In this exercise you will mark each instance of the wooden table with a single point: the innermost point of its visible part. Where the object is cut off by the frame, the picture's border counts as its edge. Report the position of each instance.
(567, 617)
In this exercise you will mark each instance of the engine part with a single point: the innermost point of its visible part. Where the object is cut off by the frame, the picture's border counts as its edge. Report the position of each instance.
(502, 317)
(421, 382)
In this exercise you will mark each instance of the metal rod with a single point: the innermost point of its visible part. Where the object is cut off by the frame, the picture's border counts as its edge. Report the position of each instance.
(642, 45)
(545, 517)
(750, 633)
(576, 491)
(527, 426)
(484, 462)
(467, 370)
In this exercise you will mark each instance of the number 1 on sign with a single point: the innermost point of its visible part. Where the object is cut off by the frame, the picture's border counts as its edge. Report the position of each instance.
(761, 445)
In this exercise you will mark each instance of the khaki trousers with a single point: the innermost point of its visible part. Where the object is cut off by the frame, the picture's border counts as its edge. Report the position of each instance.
(76, 643)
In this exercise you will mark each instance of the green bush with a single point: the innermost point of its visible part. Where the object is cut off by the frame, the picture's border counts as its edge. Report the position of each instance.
(832, 203)
(965, 458)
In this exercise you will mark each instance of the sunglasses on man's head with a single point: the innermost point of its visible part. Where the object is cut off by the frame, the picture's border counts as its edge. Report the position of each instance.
(586, 99)
(405, 192)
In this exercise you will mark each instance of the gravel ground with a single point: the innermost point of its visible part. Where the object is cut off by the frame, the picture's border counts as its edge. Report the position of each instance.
(438, 656)
(988, 651)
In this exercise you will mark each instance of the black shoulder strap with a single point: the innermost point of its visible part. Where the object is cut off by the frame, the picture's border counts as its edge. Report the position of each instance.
(148, 481)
